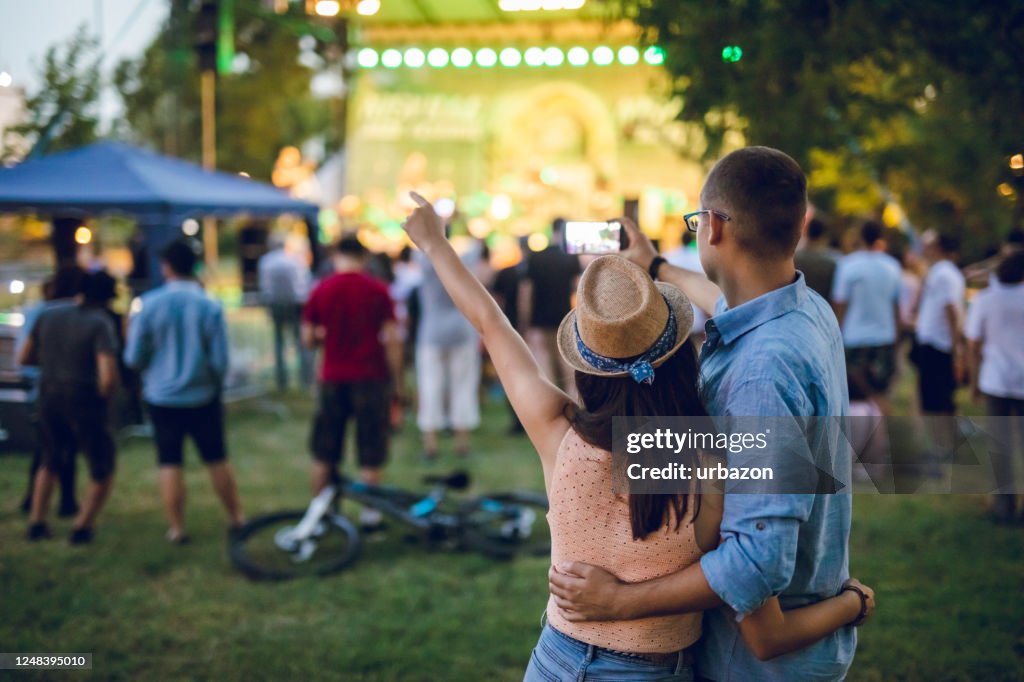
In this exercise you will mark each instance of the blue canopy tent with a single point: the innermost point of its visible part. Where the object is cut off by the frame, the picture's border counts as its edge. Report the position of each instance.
(160, 192)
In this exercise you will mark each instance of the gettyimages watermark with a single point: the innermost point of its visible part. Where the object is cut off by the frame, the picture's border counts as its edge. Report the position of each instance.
(815, 455)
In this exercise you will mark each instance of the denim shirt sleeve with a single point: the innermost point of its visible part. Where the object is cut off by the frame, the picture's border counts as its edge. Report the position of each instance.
(137, 345)
(757, 556)
(217, 338)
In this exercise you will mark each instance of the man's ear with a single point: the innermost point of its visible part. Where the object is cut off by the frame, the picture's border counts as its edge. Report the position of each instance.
(716, 229)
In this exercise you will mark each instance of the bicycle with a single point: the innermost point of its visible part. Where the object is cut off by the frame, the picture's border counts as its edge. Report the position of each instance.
(321, 540)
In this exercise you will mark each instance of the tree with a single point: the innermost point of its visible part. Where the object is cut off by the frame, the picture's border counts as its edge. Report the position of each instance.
(63, 113)
(260, 109)
(901, 98)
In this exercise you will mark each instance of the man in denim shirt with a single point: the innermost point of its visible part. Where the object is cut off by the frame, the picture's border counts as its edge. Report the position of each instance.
(178, 341)
(773, 349)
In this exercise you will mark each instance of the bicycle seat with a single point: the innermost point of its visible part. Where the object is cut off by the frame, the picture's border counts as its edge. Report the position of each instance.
(456, 480)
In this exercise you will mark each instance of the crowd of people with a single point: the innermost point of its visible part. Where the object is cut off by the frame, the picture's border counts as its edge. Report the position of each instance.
(786, 324)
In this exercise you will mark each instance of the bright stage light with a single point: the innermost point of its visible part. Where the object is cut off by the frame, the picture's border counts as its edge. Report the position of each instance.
(368, 8)
(486, 57)
(438, 57)
(578, 56)
(510, 57)
(368, 58)
(327, 8)
(553, 56)
(83, 235)
(414, 58)
(629, 55)
(534, 56)
(461, 57)
(603, 56)
(391, 58)
(654, 55)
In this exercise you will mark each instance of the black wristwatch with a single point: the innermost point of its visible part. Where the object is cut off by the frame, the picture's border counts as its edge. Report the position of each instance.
(652, 269)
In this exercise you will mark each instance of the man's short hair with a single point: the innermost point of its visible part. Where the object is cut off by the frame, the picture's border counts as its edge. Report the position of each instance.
(351, 246)
(1011, 270)
(1016, 238)
(180, 257)
(816, 229)
(948, 243)
(871, 232)
(767, 193)
(99, 287)
(67, 282)
(557, 226)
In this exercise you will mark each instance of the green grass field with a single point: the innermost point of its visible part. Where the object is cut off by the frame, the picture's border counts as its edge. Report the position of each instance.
(949, 584)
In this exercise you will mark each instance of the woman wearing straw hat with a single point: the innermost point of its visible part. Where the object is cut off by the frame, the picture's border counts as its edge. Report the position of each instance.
(626, 341)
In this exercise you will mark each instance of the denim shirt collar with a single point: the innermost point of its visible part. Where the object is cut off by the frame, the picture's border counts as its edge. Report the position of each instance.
(730, 324)
(183, 285)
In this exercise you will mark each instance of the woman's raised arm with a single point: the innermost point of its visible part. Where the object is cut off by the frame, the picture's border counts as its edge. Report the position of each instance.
(539, 404)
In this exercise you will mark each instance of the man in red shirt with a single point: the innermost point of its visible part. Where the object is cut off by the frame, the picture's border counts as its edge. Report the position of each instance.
(350, 316)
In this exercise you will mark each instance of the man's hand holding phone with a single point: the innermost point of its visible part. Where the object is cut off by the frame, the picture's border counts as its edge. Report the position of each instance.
(637, 246)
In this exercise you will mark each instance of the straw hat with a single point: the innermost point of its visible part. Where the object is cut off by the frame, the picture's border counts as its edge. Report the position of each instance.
(621, 316)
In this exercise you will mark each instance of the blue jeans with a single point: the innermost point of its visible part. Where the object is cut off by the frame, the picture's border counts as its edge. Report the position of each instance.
(560, 658)
(287, 321)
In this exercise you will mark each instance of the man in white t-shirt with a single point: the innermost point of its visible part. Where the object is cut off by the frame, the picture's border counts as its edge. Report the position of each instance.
(866, 295)
(939, 315)
(995, 327)
(938, 348)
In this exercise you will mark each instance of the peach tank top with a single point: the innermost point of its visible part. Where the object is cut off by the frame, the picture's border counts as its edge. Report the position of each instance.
(591, 524)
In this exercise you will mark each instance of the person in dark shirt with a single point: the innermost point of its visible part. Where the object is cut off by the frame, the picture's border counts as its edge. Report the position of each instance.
(548, 286)
(75, 348)
(59, 290)
(816, 260)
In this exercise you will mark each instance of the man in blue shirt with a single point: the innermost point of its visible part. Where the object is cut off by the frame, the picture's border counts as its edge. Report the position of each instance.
(178, 341)
(866, 296)
(773, 350)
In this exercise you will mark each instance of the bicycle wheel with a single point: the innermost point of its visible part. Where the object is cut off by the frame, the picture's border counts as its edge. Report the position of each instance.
(505, 524)
(262, 550)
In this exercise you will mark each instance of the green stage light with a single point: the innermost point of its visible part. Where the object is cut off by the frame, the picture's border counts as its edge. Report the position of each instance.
(654, 55)
(603, 56)
(391, 58)
(534, 56)
(578, 56)
(510, 57)
(368, 58)
(414, 58)
(461, 57)
(486, 57)
(732, 53)
(553, 56)
(438, 57)
(629, 55)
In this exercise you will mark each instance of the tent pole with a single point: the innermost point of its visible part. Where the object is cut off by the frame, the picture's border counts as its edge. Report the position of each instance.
(208, 84)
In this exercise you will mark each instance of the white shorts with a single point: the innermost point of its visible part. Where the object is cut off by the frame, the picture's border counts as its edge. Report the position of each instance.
(448, 380)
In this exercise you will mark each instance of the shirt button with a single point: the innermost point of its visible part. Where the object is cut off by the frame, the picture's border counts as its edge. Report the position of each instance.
(759, 525)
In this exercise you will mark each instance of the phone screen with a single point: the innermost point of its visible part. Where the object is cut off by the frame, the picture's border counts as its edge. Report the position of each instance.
(593, 237)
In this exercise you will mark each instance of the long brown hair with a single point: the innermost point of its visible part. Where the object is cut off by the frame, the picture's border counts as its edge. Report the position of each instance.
(673, 393)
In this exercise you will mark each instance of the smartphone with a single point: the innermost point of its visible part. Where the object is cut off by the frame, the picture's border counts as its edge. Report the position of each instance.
(593, 237)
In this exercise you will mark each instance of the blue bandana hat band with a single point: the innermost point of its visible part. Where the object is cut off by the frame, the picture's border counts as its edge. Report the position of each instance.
(640, 367)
